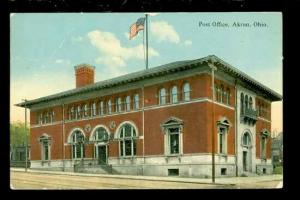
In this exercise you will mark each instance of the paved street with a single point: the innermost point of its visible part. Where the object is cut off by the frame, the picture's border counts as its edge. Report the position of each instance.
(60, 180)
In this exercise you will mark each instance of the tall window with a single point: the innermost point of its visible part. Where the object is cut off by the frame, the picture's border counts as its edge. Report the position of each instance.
(46, 117)
(109, 106)
(222, 100)
(258, 108)
(41, 118)
(78, 113)
(246, 139)
(242, 103)
(162, 96)
(94, 109)
(222, 139)
(136, 101)
(85, 110)
(101, 110)
(228, 96)
(72, 113)
(263, 147)
(77, 141)
(217, 93)
(174, 95)
(250, 103)
(173, 140)
(246, 102)
(186, 92)
(127, 138)
(127, 102)
(118, 104)
(45, 142)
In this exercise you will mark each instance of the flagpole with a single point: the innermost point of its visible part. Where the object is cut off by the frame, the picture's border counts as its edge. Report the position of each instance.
(146, 41)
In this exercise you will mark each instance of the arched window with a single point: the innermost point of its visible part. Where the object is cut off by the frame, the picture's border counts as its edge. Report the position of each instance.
(118, 104)
(127, 101)
(136, 101)
(162, 96)
(250, 103)
(127, 136)
(186, 91)
(109, 106)
(174, 95)
(246, 102)
(246, 139)
(223, 94)
(100, 135)
(242, 103)
(228, 96)
(77, 142)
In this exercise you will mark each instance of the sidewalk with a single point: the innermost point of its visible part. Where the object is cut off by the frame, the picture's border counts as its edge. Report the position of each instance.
(219, 181)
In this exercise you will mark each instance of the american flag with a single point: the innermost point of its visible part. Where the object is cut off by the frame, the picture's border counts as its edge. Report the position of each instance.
(136, 27)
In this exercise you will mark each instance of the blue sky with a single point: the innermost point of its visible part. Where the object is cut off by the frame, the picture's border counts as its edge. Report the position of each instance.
(46, 47)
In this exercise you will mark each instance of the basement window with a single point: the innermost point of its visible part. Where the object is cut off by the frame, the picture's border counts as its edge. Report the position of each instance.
(173, 172)
(223, 171)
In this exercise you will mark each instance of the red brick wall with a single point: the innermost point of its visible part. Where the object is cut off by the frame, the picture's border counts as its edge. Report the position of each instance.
(55, 132)
(220, 112)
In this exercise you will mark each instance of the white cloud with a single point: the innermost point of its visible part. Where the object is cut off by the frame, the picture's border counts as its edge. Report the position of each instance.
(164, 32)
(126, 34)
(113, 54)
(152, 14)
(187, 43)
(62, 61)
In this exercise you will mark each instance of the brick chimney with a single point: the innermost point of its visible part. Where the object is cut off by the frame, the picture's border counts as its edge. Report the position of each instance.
(85, 74)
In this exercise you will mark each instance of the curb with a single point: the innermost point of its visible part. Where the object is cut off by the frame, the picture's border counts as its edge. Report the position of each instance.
(150, 178)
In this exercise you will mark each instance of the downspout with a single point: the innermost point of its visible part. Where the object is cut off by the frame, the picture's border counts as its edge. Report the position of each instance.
(236, 130)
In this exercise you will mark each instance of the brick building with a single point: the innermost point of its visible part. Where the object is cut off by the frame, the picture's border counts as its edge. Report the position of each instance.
(158, 121)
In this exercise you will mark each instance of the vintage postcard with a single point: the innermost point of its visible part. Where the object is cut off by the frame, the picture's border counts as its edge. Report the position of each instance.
(146, 100)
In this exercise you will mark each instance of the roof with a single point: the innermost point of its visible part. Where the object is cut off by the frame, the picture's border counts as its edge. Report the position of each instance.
(156, 71)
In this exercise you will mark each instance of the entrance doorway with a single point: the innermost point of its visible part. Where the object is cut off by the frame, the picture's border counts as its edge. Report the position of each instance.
(245, 167)
(102, 154)
(247, 152)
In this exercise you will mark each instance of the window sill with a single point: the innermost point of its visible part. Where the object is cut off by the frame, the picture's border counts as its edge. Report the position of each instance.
(173, 155)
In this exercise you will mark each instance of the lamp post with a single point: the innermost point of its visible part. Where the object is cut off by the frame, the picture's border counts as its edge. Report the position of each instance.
(26, 142)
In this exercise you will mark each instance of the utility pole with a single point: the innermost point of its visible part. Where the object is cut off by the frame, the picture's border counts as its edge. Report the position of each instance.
(26, 142)
(213, 68)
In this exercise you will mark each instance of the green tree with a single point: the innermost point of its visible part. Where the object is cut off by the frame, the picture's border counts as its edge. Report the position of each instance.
(18, 133)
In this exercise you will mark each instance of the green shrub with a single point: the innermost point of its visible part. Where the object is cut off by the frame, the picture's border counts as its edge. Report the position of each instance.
(278, 170)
